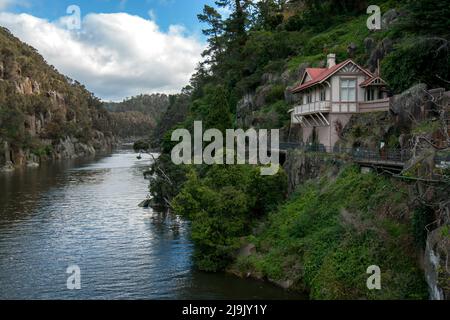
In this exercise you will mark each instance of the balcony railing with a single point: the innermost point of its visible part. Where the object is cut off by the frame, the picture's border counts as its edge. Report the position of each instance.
(375, 105)
(342, 107)
(313, 107)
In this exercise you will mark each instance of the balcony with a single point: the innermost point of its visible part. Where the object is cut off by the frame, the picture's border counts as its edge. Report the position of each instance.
(375, 105)
(313, 107)
(312, 114)
(342, 107)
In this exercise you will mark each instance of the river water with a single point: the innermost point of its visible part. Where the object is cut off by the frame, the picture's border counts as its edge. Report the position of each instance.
(85, 213)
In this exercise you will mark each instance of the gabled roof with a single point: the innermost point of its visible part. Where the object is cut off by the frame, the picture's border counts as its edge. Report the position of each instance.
(319, 75)
(376, 81)
(312, 72)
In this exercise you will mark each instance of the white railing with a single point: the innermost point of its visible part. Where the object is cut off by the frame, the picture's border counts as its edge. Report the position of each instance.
(318, 106)
(342, 107)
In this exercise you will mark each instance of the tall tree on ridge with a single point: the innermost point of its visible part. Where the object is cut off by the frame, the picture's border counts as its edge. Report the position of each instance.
(215, 33)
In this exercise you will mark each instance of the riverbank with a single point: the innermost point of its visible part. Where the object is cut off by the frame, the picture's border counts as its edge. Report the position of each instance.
(66, 149)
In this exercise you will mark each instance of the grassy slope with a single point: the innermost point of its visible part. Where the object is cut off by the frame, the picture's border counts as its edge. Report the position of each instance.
(330, 231)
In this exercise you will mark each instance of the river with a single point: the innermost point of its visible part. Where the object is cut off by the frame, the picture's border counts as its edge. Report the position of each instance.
(85, 213)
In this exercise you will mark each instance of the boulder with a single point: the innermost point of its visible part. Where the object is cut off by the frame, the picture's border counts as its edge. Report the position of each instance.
(378, 52)
(247, 250)
(409, 103)
(351, 49)
(389, 18)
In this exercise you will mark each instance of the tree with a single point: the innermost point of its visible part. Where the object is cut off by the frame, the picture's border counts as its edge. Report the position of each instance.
(211, 17)
(270, 14)
(213, 109)
(428, 17)
(236, 24)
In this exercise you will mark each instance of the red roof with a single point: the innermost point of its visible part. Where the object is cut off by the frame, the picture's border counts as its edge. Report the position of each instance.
(319, 75)
(315, 72)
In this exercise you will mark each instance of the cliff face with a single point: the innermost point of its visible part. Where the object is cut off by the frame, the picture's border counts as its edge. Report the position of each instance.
(43, 114)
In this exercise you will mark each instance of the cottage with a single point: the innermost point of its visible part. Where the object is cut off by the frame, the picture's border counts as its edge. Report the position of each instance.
(327, 98)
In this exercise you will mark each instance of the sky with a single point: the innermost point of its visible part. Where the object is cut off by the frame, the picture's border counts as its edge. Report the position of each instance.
(118, 48)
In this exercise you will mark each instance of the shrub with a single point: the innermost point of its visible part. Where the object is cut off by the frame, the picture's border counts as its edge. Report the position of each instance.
(222, 206)
(421, 60)
(141, 145)
(330, 229)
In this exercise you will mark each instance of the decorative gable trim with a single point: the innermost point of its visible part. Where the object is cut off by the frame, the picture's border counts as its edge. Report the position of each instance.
(374, 81)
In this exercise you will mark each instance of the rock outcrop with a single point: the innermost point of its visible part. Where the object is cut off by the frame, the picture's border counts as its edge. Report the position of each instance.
(43, 114)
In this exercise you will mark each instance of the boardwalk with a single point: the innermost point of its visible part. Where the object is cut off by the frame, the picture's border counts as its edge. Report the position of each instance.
(388, 159)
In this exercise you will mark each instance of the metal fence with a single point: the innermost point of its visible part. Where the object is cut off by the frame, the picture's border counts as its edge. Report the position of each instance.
(359, 154)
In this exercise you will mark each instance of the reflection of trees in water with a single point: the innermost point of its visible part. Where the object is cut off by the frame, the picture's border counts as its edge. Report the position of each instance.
(83, 177)
(24, 190)
(166, 221)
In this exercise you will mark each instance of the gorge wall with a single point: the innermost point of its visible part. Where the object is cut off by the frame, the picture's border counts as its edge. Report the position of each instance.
(43, 114)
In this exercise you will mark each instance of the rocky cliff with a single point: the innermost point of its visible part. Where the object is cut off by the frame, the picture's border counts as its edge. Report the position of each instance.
(43, 114)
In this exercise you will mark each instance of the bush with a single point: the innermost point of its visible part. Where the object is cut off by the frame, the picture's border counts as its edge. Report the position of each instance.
(422, 60)
(327, 234)
(141, 145)
(222, 206)
(275, 94)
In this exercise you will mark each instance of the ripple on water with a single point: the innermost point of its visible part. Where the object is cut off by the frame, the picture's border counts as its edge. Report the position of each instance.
(87, 214)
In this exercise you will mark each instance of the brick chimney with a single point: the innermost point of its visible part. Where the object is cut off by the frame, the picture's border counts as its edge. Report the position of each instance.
(331, 60)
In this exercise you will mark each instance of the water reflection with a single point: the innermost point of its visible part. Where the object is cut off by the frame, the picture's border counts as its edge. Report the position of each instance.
(86, 213)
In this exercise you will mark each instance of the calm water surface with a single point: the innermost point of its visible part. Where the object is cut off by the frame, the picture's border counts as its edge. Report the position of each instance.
(85, 213)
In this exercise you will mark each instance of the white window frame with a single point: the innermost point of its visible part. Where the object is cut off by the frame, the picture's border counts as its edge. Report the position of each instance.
(309, 98)
(323, 94)
(345, 88)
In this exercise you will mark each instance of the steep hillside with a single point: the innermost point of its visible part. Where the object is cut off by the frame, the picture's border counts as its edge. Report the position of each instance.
(137, 116)
(338, 220)
(150, 104)
(43, 114)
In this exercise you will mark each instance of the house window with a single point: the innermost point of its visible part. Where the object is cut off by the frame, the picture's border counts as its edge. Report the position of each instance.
(309, 97)
(323, 95)
(348, 90)
(380, 94)
(370, 92)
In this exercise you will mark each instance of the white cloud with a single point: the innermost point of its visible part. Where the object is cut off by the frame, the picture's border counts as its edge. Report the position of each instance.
(152, 14)
(4, 4)
(114, 55)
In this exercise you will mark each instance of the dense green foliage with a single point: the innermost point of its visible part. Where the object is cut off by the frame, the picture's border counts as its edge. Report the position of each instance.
(421, 60)
(222, 206)
(137, 116)
(422, 53)
(326, 235)
(141, 145)
(329, 232)
(149, 104)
